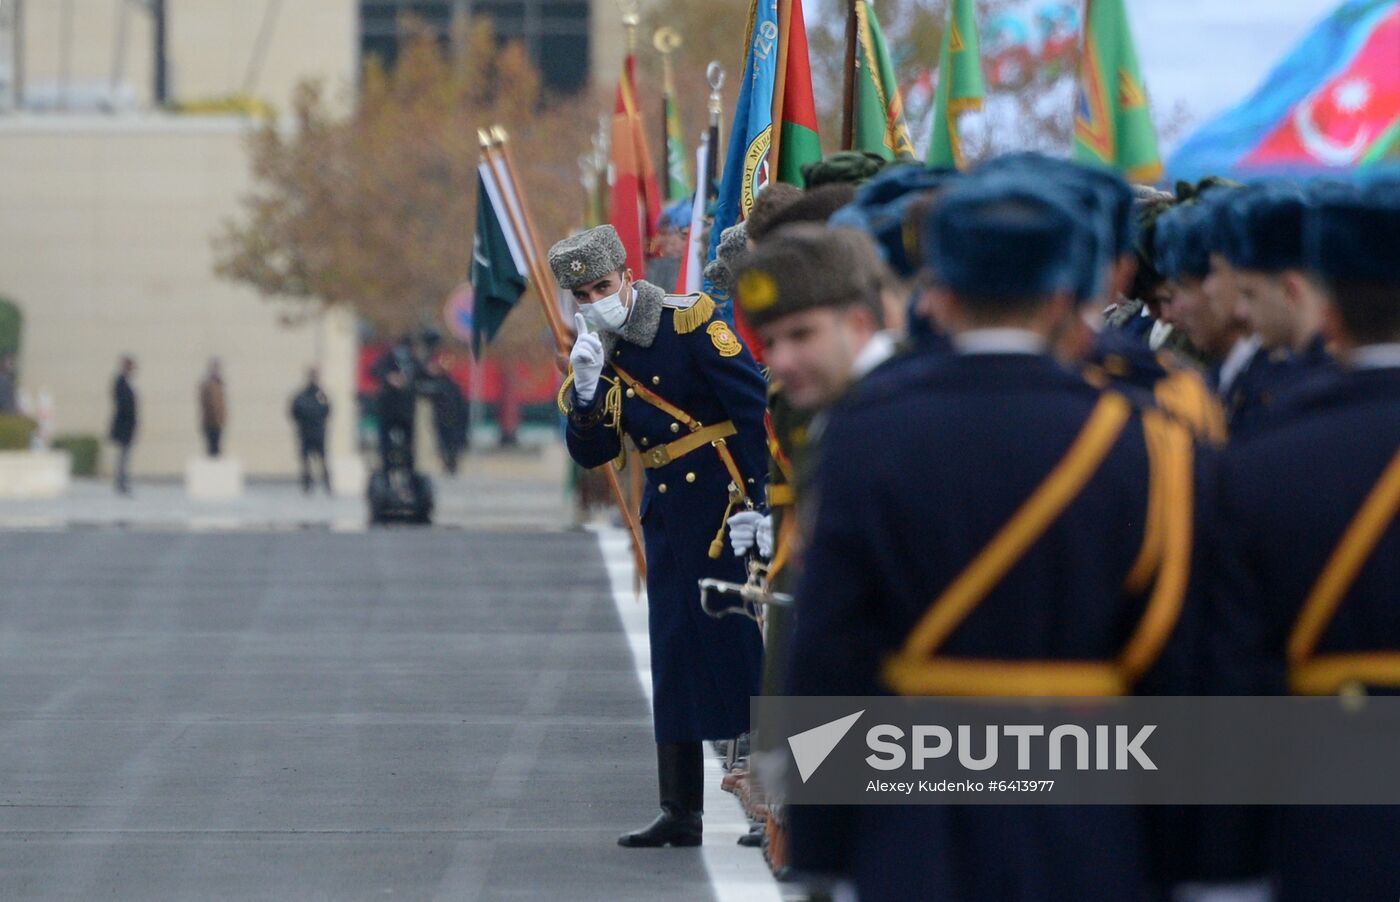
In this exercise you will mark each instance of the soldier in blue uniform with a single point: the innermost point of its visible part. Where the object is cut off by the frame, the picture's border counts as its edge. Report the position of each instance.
(944, 475)
(1282, 305)
(665, 372)
(1204, 303)
(1307, 583)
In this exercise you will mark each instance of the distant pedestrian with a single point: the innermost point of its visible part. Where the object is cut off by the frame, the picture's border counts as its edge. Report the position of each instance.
(310, 410)
(451, 413)
(123, 431)
(213, 407)
(398, 373)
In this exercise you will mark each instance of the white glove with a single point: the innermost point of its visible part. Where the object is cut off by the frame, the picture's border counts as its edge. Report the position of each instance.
(764, 536)
(587, 360)
(748, 527)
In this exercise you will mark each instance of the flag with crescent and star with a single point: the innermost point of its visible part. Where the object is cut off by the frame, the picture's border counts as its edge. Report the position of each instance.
(1332, 105)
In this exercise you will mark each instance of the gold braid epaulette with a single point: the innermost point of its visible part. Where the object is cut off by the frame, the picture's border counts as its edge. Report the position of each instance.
(612, 401)
(694, 316)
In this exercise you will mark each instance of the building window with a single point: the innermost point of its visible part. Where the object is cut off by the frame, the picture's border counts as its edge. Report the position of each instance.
(555, 32)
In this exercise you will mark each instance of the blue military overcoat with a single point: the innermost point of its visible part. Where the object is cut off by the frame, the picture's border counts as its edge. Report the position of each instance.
(919, 469)
(703, 670)
(1288, 492)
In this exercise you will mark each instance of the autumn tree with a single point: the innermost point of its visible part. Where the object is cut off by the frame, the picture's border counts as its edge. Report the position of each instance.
(375, 210)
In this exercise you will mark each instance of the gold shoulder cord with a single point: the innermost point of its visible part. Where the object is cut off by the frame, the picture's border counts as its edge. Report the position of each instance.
(916, 670)
(1326, 674)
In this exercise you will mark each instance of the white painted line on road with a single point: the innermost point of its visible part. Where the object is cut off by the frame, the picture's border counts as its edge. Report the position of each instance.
(737, 874)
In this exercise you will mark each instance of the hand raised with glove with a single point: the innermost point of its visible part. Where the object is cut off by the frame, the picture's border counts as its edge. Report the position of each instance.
(587, 361)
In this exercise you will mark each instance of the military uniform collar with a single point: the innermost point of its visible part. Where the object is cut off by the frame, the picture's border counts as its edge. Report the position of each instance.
(877, 350)
(1236, 361)
(642, 322)
(1375, 357)
(999, 341)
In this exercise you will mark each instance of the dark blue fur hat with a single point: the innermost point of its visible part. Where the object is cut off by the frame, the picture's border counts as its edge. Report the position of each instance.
(1005, 238)
(1355, 237)
(1266, 227)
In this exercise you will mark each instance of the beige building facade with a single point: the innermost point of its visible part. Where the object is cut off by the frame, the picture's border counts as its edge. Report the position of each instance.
(108, 209)
(105, 243)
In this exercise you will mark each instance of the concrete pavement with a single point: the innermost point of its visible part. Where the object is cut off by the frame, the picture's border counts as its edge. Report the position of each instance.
(421, 714)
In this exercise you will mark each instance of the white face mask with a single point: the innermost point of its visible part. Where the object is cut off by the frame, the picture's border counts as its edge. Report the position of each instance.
(606, 315)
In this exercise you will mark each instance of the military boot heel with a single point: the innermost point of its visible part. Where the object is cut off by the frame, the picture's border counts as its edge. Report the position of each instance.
(680, 773)
(671, 828)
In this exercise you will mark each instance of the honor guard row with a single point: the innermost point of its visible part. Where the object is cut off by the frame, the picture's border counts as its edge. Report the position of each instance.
(1027, 431)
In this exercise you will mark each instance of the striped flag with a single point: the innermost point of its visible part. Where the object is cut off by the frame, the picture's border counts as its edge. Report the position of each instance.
(677, 178)
(798, 141)
(1331, 105)
(499, 264)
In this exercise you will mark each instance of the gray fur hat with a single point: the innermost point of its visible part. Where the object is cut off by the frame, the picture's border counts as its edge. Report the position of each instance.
(733, 242)
(587, 257)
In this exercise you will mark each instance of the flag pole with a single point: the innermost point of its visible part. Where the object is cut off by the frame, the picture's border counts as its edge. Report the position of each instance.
(848, 94)
(775, 141)
(498, 158)
(493, 144)
(714, 75)
(666, 40)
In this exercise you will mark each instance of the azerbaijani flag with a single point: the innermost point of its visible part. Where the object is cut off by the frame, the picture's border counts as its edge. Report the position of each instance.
(635, 202)
(960, 84)
(1113, 123)
(799, 140)
(1333, 104)
(877, 120)
(746, 163)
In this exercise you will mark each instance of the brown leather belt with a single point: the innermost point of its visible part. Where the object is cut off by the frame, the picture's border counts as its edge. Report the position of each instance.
(662, 455)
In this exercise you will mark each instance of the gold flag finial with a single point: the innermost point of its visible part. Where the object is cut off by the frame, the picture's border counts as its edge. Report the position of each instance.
(483, 138)
(631, 19)
(666, 40)
(498, 135)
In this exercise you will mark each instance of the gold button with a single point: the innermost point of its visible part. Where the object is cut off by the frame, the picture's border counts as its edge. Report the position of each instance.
(655, 380)
(661, 488)
(631, 393)
(645, 441)
(675, 427)
(690, 477)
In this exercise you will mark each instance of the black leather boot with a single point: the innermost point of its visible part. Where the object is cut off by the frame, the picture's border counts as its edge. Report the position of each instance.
(680, 772)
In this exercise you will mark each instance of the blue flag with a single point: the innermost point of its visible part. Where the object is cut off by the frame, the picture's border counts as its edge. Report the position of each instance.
(746, 164)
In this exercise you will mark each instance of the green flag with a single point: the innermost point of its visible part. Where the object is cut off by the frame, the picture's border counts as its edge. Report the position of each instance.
(960, 84)
(1112, 122)
(498, 259)
(878, 120)
(677, 176)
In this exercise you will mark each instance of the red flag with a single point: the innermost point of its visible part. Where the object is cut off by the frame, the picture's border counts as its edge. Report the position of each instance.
(635, 201)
